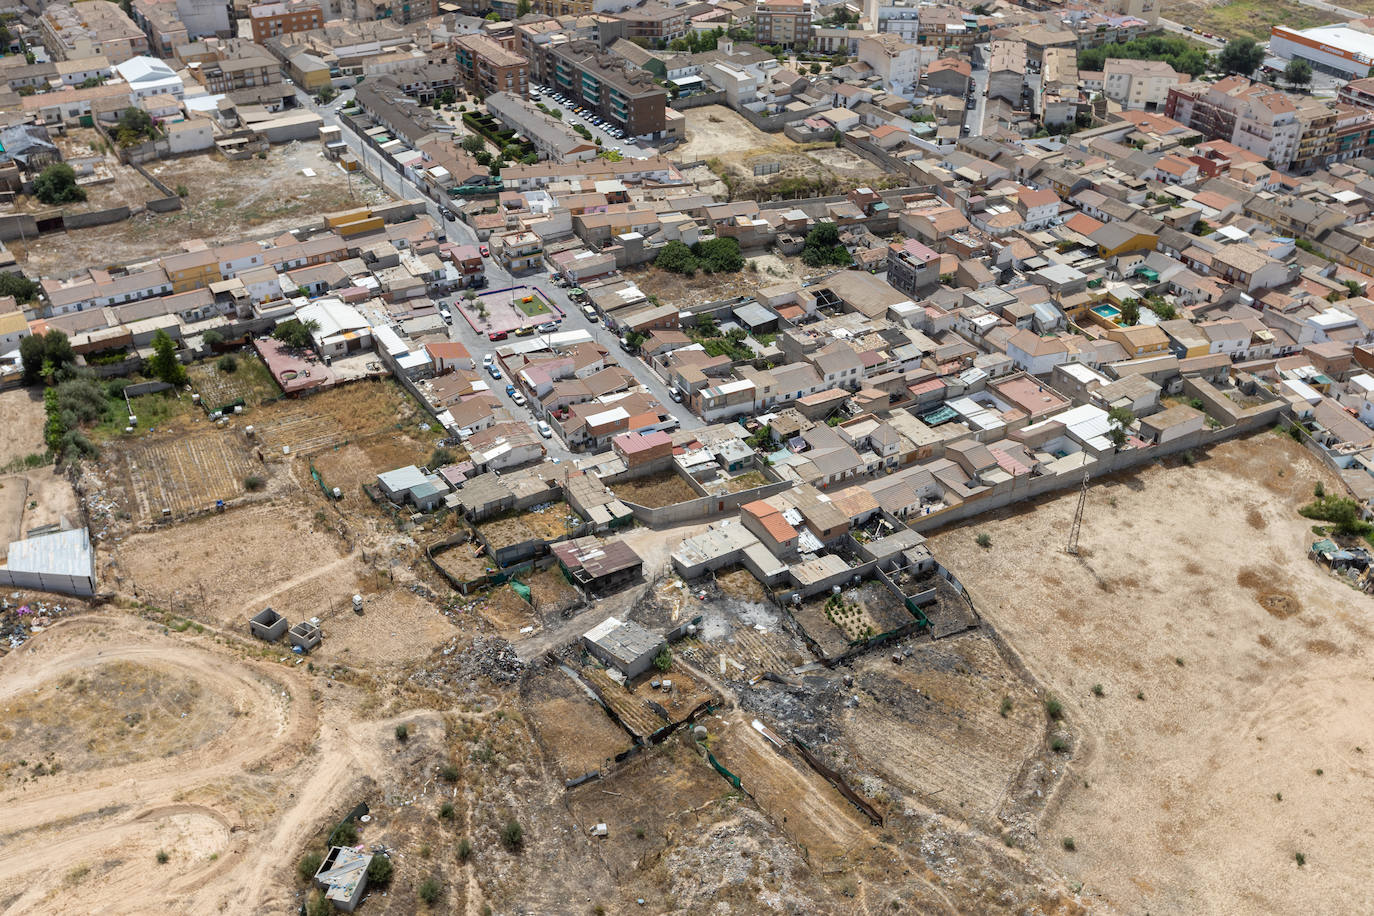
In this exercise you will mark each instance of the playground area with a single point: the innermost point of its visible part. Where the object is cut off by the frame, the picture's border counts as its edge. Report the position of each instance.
(502, 311)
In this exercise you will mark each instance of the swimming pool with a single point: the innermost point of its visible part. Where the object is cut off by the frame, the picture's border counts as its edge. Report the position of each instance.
(1109, 312)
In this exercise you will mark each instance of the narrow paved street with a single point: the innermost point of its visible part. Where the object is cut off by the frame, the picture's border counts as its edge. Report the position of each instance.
(457, 231)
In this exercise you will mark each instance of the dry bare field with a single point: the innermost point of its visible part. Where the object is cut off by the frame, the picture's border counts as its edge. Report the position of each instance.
(1231, 732)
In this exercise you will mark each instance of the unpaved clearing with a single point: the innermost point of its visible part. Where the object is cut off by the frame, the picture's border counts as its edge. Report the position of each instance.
(734, 148)
(226, 201)
(21, 417)
(1231, 734)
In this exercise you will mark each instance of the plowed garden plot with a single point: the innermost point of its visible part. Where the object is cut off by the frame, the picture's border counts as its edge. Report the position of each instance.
(506, 611)
(933, 726)
(250, 382)
(573, 729)
(656, 490)
(180, 476)
(634, 713)
(811, 616)
(338, 415)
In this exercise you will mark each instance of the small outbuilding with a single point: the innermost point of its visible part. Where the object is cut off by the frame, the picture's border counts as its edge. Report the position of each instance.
(343, 877)
(627, 646)
(305, 636)
(59, 562)
(267, 624)
(599, 565)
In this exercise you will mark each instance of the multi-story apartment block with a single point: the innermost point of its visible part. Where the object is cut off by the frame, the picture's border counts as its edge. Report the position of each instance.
(610, 85)
(894, 60)
(1292, 133)
(486, 68)
(654, 22)
(235, 65)
(1006, 70)
(1141, 85)
(270, 20)
(782, 22)
(96, 27)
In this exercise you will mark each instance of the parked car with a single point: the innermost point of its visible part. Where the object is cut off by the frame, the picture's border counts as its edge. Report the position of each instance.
(675, 395)
(497, 335)
(486, 252)
(548, 327)
(494, 372)
(448, 215)
(446, 315)
(524, 331)
(488, 359)
(545, 430)
(510, 389)
(519, 399)
(590, 312)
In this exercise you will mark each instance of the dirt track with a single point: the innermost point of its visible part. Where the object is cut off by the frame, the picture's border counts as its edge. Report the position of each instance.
(99, 834)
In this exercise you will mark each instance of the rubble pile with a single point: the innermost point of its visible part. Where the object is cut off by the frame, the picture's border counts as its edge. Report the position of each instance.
(20, 619)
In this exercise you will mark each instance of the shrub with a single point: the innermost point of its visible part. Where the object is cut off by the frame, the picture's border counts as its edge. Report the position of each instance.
(1300, 859)
(1069, 844)
(512, 835)
(1053, 708)
(1006, 707)
(429, 890)
(1059, 744)
(253, 483)
(56, 184)
(308, 865)
(402, 732)
(318, 905)
(446, 811)
(449, 772)
(1097, 690)
(346, 834)
(227, 363)
(441, 457)
(162, 857)
(379, 870)
(464, 849)
(664, 659)
(983, 540)
(1319, 490)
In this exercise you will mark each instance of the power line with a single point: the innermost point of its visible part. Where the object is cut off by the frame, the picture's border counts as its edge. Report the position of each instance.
(1072, 548)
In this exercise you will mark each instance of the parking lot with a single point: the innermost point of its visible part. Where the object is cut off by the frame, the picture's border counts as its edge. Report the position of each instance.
(612, 137)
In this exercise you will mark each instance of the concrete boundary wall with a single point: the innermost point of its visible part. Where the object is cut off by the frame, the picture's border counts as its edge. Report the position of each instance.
(46, 582)
(95, 218)
(1024, 487)
(702, 507)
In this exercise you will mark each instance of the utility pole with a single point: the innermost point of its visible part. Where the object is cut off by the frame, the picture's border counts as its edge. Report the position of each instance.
(1072, 548)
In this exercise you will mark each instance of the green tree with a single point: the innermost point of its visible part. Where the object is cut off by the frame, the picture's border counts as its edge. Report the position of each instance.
(135, 125)
(823, 247)
(522, 8)
(1298, 73)
(56, 184)
(295, 333)
(721, 255)
(473, 144)
(1120, 420)
(19, 286)
(663, 661)
(1130, 312)
(678, 258)
(1241, 55)
(164, 365)
(327, 95)
(51, 349)
(379, 870)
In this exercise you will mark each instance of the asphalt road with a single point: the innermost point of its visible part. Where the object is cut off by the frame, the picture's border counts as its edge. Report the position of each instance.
(498, 277)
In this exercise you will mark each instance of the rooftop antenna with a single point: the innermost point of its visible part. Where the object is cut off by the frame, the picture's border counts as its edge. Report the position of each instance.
(1072, 548)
